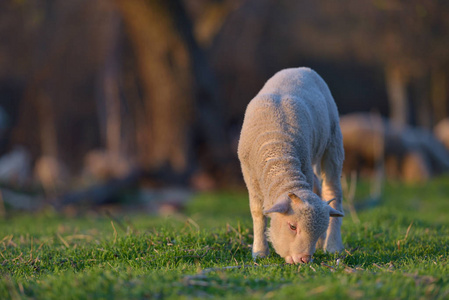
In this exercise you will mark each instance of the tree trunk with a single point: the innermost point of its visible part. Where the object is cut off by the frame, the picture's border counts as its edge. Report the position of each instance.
(208, 107)
(108, 98)
(47, 122)
(397, 96)
(422, 110)
(165, 73)
(439, 94)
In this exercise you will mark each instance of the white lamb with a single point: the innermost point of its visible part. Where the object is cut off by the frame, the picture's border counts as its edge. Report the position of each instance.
(291, 126)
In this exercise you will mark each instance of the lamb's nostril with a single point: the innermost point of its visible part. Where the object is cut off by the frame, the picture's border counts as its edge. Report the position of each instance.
(289, 260)
(306, 259)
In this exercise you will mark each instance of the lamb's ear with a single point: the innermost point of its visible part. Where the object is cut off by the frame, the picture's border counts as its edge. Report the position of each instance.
(281, 207)
(295, 199)
(330, 201)
(335, 213)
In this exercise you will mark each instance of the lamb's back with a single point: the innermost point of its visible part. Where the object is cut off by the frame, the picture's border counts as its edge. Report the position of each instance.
(293, 106)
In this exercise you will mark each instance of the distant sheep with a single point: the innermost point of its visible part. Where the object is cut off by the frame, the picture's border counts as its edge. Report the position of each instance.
(290, 127)
(441, 131)
(411, 154)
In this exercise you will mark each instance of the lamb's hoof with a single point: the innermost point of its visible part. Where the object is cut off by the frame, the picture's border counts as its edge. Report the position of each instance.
(260, 254)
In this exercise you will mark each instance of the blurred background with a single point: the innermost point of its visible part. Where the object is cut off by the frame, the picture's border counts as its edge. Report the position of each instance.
(103, 101)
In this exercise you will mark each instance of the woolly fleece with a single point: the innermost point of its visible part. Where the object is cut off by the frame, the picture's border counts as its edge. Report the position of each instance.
(290, 127)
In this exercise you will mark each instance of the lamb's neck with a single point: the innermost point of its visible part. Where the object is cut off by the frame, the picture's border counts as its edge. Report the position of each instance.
(282, 175)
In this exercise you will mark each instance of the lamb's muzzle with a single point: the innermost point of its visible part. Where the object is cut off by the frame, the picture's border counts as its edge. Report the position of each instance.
(299, 259)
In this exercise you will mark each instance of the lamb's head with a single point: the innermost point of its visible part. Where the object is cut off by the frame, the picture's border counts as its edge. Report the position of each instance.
(297, 222)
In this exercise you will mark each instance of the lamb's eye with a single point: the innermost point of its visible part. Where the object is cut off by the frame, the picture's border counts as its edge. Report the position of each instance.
(292, 227)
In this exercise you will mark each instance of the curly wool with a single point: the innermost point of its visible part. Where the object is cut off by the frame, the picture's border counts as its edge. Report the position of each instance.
(313, 215)
(290, 127)
(286, 130)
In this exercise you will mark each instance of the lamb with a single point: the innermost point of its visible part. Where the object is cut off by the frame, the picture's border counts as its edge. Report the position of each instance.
(290, 128)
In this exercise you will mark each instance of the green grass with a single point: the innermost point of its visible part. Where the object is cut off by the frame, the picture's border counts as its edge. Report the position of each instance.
(206, 252)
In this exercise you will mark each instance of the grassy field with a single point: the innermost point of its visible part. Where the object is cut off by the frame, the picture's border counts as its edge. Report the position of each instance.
(398, 250)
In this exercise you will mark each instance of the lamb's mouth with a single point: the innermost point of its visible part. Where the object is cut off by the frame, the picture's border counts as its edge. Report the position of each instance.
(299, 259)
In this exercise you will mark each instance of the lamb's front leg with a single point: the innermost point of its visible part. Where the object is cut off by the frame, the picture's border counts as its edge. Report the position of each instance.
(332, 241)
(260, 244)
(332, 190)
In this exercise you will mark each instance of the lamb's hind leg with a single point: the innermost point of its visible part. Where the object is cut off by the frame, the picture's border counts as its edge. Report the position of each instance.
(331, 173)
